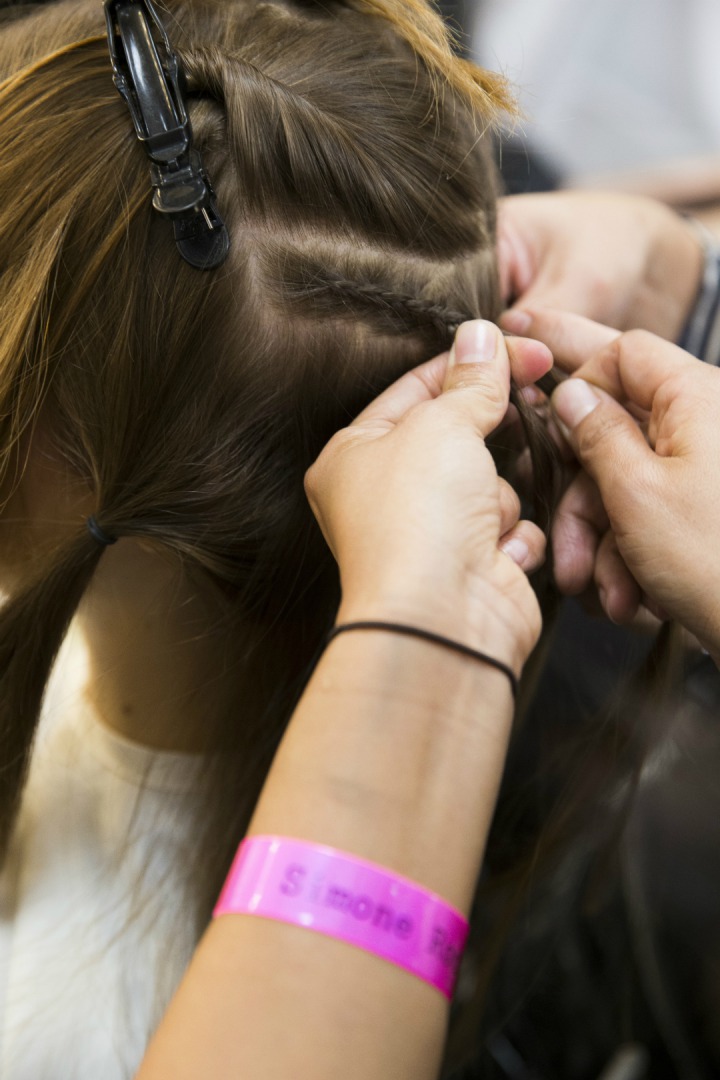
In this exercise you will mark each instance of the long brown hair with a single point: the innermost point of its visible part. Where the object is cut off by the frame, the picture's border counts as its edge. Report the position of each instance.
(348, 151)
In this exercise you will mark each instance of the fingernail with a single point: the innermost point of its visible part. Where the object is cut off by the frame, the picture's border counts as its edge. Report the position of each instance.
(604, 603)
(517, 550)
(475, 343)
(573, 401)
(608, 602)
(516, 321)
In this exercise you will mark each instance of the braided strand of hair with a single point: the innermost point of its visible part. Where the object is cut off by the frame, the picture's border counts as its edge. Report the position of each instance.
(410, 309)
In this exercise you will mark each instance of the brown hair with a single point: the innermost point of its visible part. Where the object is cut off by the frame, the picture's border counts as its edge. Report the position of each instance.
(356, 185)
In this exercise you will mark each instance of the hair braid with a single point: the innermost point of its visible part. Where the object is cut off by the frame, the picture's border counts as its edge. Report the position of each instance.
(408, 309)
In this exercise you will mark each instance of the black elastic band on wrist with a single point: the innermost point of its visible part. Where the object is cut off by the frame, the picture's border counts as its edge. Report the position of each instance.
(435, 639)
(99, 535)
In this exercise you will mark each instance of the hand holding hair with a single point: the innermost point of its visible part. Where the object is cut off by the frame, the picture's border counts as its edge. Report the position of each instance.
(657, 481)
(625, 261)
(409, 501)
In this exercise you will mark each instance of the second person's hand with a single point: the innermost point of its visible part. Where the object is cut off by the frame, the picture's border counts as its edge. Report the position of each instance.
(641, 416)
(622, 260)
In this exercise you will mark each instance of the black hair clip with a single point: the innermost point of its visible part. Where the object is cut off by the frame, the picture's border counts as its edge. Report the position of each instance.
(147, 73)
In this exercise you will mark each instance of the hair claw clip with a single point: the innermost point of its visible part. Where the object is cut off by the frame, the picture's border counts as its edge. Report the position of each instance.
(147, 73)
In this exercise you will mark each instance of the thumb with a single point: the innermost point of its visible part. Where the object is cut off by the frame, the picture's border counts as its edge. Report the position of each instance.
(477, 382)
(606, 439)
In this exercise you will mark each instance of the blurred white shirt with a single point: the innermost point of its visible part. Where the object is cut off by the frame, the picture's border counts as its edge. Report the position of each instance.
(609, 85)
(95, 923)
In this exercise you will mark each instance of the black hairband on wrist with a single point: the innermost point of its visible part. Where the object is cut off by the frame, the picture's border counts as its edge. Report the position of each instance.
(148, 75)
(435, 639)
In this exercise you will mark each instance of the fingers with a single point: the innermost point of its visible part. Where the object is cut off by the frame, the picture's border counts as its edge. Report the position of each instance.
(525, 544)
(522, 541)
(509, 506)
(477, 381)
(634, 366)
(571, 339)
(539, 258)
(631, 367)
(580, 522)
(605, 438)
(529, 360)
(515, 262)
(585, 551)
(410, 390)
(619, 593)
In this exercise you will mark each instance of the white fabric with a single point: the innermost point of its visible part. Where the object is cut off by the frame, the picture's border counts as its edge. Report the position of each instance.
(610, 85)
(78, 999)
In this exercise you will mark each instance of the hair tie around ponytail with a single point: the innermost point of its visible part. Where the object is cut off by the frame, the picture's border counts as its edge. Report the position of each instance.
(99, 535)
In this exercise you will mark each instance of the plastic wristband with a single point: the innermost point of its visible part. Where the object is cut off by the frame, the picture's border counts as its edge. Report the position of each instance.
(333, 893)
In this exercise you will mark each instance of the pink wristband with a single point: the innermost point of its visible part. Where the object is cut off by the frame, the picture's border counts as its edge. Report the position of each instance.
(344, 897)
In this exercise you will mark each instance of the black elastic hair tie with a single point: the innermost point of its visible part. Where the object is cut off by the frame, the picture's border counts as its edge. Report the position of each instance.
(436, 639)
(148, 75)
(99, 535)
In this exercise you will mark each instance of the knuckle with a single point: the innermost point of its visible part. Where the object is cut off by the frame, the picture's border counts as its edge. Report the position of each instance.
(310, 481)
(493, 399)
(628, 350)
(483, 409)
(598, 431)
(509, 499)
(634, 341)
(483, 386)
(317, 474)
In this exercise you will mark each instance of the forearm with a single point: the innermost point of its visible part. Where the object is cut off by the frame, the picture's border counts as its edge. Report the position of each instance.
(395, 755)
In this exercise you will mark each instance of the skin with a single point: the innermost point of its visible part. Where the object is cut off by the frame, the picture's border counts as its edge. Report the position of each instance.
(408, 494)
(621, 260)
(356, 537)
(641, 416)
(147, 623)
(624, 261)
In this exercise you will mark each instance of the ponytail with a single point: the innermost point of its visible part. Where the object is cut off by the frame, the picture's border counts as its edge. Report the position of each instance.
(33, 624)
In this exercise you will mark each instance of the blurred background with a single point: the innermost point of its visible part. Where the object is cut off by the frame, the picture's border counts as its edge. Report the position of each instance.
(617, 94)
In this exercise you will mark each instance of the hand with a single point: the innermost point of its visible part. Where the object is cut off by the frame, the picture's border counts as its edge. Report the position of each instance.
(411, 505)
(622, 260)
(641, 416)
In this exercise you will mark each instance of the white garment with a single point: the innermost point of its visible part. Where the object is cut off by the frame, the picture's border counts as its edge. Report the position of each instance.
(610, 85)
(79, 996)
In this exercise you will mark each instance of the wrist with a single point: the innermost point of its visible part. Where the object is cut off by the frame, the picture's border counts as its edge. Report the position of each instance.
(391, 737)
(479, 616)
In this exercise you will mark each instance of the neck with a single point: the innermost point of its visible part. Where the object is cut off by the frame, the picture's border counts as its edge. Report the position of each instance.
(161, 666)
